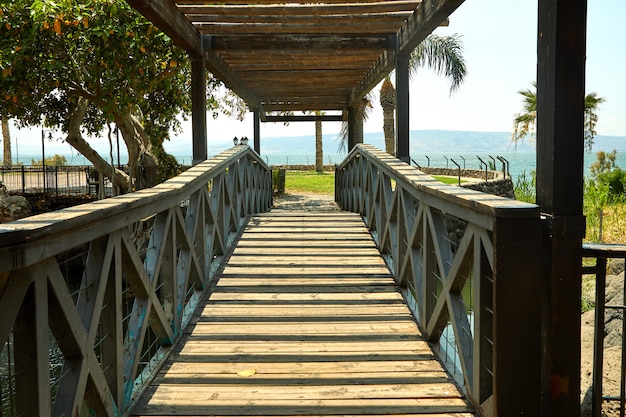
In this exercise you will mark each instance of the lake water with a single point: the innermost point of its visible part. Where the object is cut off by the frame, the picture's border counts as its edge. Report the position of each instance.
(519, 162)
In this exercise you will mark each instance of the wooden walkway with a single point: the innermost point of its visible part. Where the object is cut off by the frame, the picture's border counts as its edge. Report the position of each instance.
(305, 320)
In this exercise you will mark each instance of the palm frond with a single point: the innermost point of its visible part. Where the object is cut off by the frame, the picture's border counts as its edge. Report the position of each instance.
(442, 54)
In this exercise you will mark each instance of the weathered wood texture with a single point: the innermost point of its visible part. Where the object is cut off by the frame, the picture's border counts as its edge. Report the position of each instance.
(456, 255)
(100, 291)
(307, 309)
(231, 33)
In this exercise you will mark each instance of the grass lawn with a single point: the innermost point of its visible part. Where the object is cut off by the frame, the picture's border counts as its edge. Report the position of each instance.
(310, 182)
(448, 180)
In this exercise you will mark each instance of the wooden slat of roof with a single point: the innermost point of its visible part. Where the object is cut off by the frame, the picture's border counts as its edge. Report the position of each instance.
(278, 55)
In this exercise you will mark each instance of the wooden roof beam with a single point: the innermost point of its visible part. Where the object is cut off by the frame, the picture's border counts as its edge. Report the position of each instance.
(167, 17)
(375, 28)
(342, 19)
(285, 42)
(221, 70)
(320, 9)
(304, 118)
(426, 17)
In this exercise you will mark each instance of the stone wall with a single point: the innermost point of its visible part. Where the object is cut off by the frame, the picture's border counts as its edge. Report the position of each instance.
(467, 173)
(503, 188)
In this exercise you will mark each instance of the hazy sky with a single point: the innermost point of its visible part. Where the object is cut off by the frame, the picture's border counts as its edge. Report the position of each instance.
(500, 47)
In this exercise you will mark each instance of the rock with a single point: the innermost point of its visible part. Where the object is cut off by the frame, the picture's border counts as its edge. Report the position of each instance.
(616, 266)
(12, 207)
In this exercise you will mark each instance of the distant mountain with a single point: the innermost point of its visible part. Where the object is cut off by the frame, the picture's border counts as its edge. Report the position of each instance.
(428, 141)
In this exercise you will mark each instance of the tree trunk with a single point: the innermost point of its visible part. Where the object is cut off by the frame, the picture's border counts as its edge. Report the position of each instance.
(76, 140)
(6, 140)
(388, 104)
(140, 154)
(389, 130)
(319, 155)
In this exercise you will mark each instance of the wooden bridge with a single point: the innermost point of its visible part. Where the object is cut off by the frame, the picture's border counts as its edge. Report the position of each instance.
(304, 320)
(118, 302)
(97, 297)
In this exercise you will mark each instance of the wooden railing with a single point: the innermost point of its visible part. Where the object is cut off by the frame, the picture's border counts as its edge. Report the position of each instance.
(601, 253)
(469, 265)
(92, 297)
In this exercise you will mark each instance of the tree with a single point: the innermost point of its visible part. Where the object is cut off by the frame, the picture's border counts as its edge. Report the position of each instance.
(444, 55)
(525, 122)
(6, 141)
(319, 153)
(81, 66)
(388, 103)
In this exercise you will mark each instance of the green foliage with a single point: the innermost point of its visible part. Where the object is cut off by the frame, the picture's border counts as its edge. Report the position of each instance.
(442, 54)
(56, 55)
(604, 162)
(596, 197)
(278, 181)
(525, 187)
(55, 160)
(524, 123)
(615, 181)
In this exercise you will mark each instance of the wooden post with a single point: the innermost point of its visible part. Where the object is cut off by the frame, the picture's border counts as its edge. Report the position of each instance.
(355, 126)
(257, 131)
(560, 146)
(517, 324)
(32, 363)
(198, 108)
(402, 107)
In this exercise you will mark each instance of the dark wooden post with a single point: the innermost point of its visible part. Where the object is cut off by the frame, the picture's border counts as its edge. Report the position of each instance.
(560, 146)
(257, 131)
(355, 126)
(32, 363)
(402, 107)
(198, 108)
(517, 324)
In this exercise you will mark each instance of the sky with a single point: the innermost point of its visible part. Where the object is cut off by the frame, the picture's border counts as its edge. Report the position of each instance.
(500, 50)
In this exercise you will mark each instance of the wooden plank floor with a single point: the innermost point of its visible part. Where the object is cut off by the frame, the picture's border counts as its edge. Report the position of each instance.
(304, 321)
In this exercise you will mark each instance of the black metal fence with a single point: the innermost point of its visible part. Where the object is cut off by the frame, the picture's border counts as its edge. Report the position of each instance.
(68, 180)
(603, 252)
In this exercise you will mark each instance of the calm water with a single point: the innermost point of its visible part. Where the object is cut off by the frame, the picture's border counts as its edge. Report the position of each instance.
(519, 162)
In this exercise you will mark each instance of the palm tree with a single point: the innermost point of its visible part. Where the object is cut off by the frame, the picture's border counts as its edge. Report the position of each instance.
(444, 55)
(6, 140)
(525, 122)
(364, 110)
(388, 103)
(319, 155)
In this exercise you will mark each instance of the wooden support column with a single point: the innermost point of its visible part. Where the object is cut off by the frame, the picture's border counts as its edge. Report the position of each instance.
(355, 127)
(402, 107)
(32, 363)
(198, 108)
(257, 131)
(517, 324)
(560, 147)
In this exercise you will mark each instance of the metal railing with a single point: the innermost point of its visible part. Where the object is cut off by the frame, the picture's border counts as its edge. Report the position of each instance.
(93, 297)
(468, 263)
(69, 180)
(601, 253)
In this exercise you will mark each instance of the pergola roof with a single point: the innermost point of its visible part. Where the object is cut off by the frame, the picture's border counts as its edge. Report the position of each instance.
(298, 56)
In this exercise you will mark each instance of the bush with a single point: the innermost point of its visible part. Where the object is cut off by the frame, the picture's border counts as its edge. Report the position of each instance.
(524, 187)
(614, 180)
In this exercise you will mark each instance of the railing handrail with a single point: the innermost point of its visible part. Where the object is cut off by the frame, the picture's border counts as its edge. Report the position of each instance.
(114, 211)
(602, 252)
(419, 184)
(108, 287)
(467, 263)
